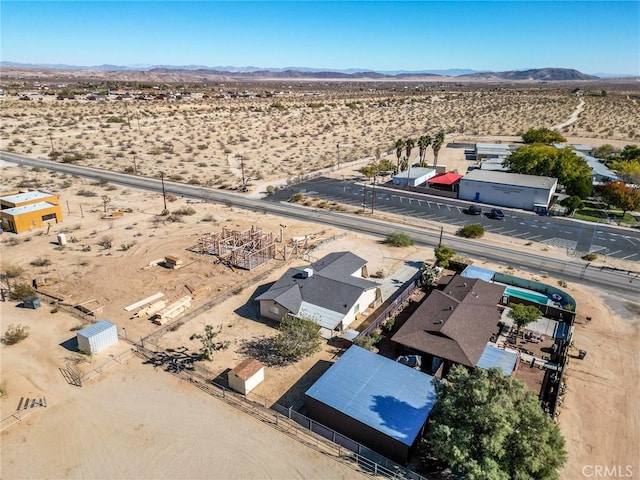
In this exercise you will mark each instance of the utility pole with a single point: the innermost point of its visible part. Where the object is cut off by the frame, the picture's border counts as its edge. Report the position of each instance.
(127, 110)
(164, 194)
(244, 185)
(373, 194)
(364, 197)
(53, 151)
(135, 167)
(440, 242)
(338, 155)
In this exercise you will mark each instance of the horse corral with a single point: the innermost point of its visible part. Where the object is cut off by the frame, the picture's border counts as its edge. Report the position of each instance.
(246, 249)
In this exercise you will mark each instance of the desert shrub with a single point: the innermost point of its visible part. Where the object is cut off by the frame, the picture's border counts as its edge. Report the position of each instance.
(86, 193)
(297, 197)
(40, 262)
(126, 246)
(186, 210)
(398, 239)
(473, 230)
(15, 334)
(106, 242)
(3, 389)
(208, 218)
(13, 271)
(21, 290)
(590, 257)
(12, 241)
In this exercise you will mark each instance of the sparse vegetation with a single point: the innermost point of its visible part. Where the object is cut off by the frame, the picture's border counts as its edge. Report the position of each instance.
(473, 230)
(209, 345)
(443, 255)
(15, 334)
(186, 210)
(369, 341)
(40, 262)
(399, 239)
(20, 290)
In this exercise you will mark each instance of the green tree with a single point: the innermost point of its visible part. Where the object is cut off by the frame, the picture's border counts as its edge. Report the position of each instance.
(523, 315)
(298, 337)
(629, 171)
(368, 341)
(543, 135)
(423, 143)
(572, 203)
(443, 255)
(20, 290)
(399, 147)
(544, 160)
(606, 152)
(428, 275)
(621, 196)
(472, 230)
(438, 141)
(398, 239)
(209, 345)
(630, 152)
(487, 426)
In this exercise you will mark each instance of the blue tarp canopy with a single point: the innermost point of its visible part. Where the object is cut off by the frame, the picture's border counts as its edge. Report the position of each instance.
(378, 392)
(497, 357)
(477, 272)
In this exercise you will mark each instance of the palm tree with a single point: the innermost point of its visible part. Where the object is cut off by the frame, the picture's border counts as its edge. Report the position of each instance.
(409, 143)
(437, 144)
(399, 147)
(423, 142)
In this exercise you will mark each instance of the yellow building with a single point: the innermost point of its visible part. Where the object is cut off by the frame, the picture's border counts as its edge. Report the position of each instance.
(23, 211)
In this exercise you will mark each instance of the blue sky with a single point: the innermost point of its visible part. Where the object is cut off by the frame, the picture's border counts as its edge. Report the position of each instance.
(590, 36)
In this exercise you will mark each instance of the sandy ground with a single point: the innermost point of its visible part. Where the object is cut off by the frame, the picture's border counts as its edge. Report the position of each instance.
(134, 422)
(211, 141)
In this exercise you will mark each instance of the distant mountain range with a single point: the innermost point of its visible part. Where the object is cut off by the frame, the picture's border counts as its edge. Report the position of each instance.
(200, 72)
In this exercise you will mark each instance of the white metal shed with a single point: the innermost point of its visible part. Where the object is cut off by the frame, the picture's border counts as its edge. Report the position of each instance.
(246, 376)
(97, 337)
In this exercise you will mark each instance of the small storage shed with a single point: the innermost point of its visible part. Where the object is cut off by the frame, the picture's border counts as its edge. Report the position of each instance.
(97, 337)
(31, 302)
(246, 376)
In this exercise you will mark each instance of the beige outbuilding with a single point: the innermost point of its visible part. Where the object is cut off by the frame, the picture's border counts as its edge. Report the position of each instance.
(246, 376)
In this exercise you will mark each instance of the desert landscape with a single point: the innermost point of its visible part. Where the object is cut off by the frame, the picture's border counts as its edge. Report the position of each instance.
(271, 133)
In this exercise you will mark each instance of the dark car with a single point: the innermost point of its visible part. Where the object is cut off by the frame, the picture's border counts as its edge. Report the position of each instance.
(474, 210)
(497, 214)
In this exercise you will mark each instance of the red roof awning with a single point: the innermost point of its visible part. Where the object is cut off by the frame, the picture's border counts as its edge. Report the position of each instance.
(448, 178)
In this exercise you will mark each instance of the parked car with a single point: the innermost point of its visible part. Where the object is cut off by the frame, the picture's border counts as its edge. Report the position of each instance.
(413, 361)
(496, 214)
(474, 210)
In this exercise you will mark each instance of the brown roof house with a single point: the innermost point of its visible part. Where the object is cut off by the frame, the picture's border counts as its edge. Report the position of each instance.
(331, 291)
(452, 326)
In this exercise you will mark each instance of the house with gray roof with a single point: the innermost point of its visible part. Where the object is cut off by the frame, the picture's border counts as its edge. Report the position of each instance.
(332, 291)
(452, 326)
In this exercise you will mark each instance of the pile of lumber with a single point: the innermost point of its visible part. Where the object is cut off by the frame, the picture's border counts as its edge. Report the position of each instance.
(172, 262)
(173, 310)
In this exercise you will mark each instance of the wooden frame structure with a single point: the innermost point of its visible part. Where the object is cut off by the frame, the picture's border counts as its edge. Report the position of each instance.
(246, 249)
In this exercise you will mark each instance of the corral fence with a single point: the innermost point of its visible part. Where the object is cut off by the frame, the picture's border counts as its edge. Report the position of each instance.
(292, 423)
(77, 379)
(394, 305)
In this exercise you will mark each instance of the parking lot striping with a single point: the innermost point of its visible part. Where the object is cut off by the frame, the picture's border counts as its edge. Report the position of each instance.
(629, 256)
(508, 231)
(613, 253)
(439, 205)
(630, 241)
(520, 234)
(534, 237)
(522, 268)
(457, 222)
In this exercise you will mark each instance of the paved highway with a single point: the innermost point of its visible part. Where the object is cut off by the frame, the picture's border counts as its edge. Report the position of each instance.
(624, 284)
(561, 232)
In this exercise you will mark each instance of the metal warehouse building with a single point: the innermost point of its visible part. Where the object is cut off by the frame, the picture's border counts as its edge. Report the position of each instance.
(22, 211)
(97, 337)
(375, 401)
(528, 192)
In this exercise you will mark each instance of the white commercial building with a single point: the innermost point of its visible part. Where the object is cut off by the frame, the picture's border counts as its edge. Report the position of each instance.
(97, 337)
(528, 192)
(414, 177)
